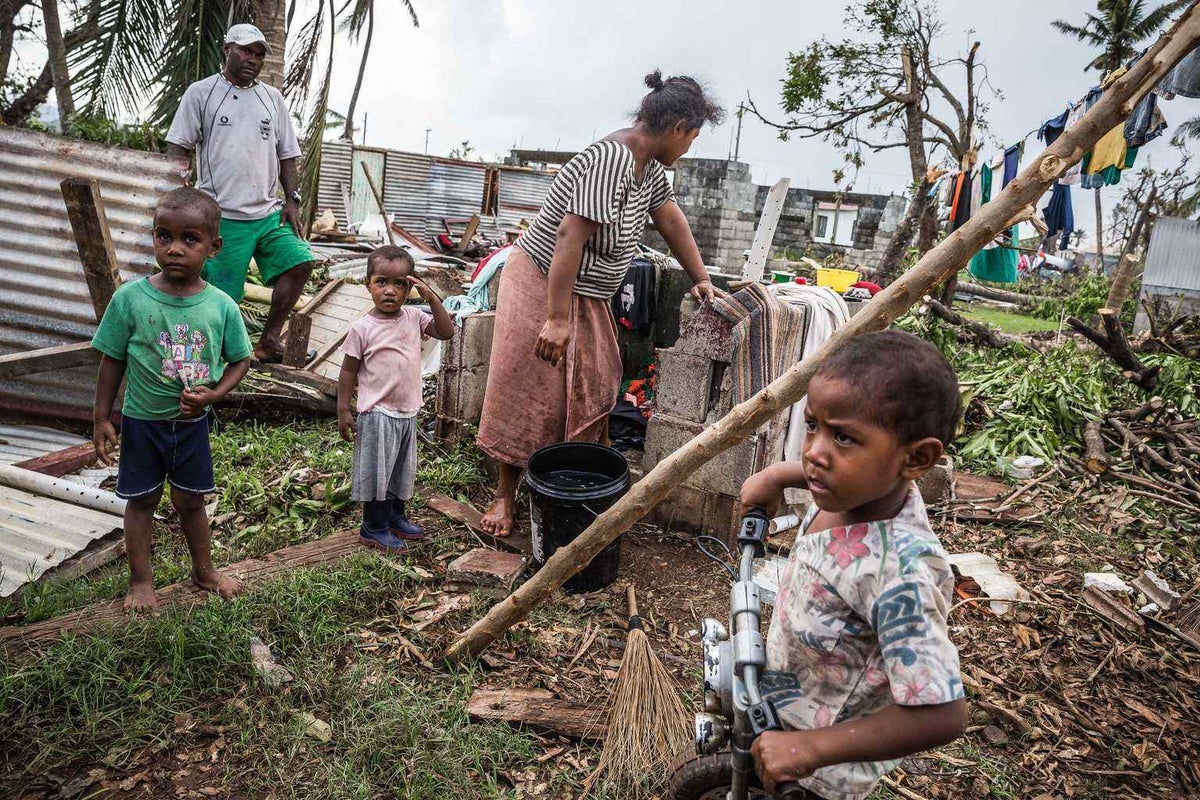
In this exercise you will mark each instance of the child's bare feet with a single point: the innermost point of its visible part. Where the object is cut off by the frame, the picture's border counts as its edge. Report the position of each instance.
(218, 583)
(140, 597)
(499, 518)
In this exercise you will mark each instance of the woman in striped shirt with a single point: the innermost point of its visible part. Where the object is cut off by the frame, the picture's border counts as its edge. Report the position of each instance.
(555, 369)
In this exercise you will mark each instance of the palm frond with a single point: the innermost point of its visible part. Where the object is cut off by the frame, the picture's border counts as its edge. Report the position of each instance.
(115, 64)
(193, 49)
(412, 12)
(314, 129)
(305, 53)
(1189, 129)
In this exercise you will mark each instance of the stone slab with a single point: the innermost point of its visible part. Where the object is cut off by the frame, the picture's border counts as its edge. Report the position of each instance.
(485, 568)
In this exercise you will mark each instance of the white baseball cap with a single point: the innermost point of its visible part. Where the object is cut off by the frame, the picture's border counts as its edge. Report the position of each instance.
(246, 34)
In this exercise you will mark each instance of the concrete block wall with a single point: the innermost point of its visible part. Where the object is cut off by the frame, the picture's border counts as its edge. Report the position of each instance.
(463, 377)
(695, 391)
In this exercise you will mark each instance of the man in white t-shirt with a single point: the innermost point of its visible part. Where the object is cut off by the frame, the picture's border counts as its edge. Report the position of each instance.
(245, 146)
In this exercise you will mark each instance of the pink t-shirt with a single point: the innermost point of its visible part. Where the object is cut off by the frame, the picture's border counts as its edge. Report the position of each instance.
(390, 352)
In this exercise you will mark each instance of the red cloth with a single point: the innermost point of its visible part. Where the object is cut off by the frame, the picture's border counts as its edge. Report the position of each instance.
(873, 288)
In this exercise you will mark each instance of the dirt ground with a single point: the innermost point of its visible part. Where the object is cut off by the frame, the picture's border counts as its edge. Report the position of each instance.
(1063, 703)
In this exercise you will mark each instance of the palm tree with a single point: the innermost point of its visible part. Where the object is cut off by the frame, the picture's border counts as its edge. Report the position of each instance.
(364, 13)
(1117, 27)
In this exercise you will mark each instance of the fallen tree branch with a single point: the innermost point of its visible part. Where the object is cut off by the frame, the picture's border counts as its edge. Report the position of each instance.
(936, 266)
(983, 333)
(1113, 342)
(1093, 445)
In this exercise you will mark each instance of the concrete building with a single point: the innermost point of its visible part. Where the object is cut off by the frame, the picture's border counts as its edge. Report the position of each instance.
(723, 206)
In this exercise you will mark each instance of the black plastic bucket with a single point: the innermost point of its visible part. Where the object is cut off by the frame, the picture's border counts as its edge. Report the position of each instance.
(570, 484)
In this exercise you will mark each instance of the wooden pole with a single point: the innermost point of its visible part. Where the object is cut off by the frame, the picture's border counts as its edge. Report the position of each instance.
(1120, 283)
(85, 209)
(938, 264)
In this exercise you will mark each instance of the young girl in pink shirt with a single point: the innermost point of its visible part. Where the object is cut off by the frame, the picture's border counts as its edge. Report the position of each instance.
(382, 355)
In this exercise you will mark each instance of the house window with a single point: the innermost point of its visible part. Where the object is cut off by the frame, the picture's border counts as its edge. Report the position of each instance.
(822, 229)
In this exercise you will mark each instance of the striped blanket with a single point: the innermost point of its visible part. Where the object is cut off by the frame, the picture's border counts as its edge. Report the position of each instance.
(768, 337)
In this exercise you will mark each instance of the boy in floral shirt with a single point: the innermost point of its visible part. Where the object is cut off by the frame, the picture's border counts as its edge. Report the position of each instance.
(859, 660)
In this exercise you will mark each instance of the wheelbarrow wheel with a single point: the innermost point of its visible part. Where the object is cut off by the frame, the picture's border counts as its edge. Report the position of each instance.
(708, 778)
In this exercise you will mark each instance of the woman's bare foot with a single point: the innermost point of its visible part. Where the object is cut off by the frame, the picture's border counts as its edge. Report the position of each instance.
(218, 583)
(140, 597)
(498, 520)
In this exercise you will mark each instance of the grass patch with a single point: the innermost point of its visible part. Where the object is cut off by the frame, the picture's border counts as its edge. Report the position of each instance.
(1008, 321)
(398, 729)
(279, 484)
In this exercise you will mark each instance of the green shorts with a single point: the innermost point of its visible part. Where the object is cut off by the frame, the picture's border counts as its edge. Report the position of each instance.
(275, 249)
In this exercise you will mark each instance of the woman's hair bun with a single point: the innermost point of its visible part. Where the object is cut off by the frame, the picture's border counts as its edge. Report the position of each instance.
(655, 80)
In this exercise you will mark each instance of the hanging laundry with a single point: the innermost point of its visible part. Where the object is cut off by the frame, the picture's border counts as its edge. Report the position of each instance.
(1059, 215)
(1111, 155)
(1074, 113)
(960, 211)
(1184, 79)
(976, 191)
(634, 304)
(1146, 123)
(1052, 128)
(995, 264)
(1012, 161)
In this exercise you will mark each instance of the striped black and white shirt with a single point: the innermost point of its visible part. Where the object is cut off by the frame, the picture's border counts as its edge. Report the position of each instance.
(599, 184)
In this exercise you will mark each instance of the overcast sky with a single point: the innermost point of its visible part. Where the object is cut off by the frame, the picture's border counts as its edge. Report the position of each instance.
(557, 74)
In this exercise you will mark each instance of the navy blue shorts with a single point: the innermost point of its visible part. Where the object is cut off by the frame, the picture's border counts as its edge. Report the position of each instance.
(174, 450)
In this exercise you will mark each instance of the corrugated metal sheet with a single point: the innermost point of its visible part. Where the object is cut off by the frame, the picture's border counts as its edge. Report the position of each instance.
(38, 533)
(335, 174)
(22, 442)
(363, 202)
(522, 192)
(406, 190)
(44, 300)
(1173, 260)
(455, 191)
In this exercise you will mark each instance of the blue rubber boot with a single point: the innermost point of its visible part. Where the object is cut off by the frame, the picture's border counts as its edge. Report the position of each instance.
(375, 531)
(399, 523)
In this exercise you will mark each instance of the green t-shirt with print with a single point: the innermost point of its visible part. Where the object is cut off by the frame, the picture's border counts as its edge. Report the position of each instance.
(167, 342)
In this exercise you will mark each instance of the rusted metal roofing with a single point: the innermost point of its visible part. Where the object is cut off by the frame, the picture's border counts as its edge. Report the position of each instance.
(24, 442)
(44, 300)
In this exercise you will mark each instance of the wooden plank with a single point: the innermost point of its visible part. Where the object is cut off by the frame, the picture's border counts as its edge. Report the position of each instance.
(469, 232)
(85, 209)
(539, 709)
(299, 376)
(96, 555)
(518, 542)
(295, 346)
(320, 297)
(62, 462)
(48, 359)
(322, 551)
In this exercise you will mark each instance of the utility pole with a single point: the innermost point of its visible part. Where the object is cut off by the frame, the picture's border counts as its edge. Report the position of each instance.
(737, 148)
(364, 138)
(427, 130)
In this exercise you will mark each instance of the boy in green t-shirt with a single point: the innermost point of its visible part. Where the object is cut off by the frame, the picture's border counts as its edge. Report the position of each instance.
(181, 346)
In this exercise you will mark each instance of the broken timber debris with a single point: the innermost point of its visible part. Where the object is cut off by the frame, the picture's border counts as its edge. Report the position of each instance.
(937, 265)
(537, 708)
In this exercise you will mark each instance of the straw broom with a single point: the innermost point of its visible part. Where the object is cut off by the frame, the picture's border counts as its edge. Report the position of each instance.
(647, 725)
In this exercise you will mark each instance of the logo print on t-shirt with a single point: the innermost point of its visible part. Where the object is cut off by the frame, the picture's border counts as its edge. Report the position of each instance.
(264, 129)
(223, 121)
(184, 355)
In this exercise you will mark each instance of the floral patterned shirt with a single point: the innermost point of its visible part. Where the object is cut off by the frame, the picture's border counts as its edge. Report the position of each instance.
(860, 623)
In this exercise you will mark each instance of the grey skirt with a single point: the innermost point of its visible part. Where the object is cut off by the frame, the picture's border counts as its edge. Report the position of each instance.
(385, 457)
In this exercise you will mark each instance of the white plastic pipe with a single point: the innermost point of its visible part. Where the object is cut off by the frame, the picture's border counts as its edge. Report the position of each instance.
(784, 523)
(68, 491)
